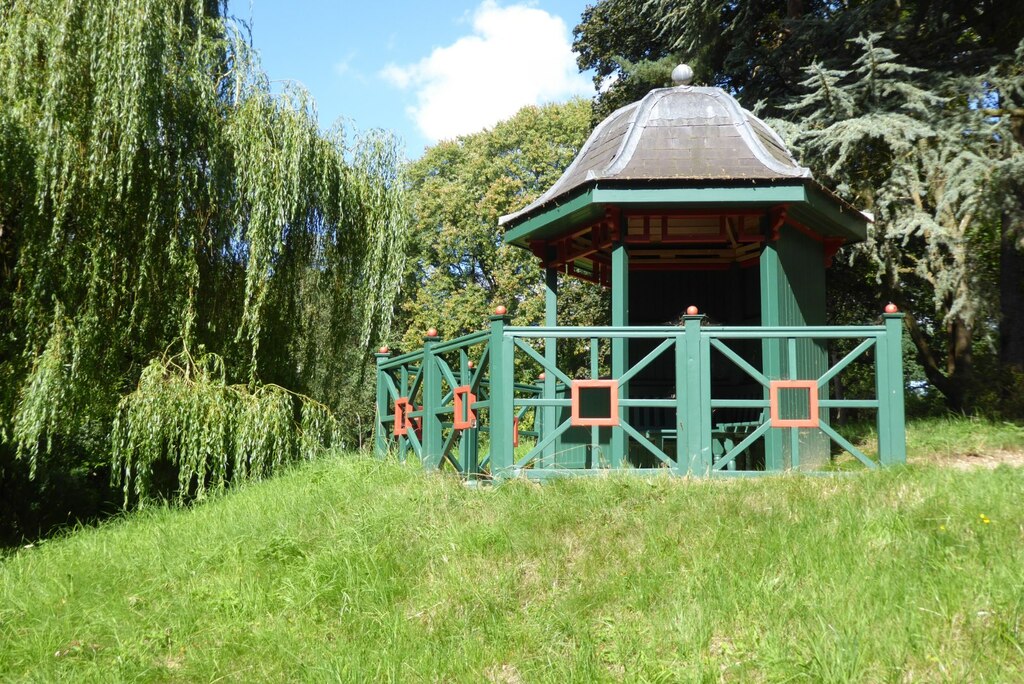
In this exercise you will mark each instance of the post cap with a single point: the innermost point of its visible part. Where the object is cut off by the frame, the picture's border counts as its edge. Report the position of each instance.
(541, 376)
(500, 310)
(432, 332)
(469, 364)
(891, 308)
(692, 310)
(384, 350)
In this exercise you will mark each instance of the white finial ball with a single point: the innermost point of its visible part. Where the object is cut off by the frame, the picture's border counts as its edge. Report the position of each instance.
(682, 75)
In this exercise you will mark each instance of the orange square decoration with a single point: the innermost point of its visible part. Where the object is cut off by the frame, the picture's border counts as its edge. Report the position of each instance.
(611, 420)
(464, 417)
(811, 421)
(401, 427)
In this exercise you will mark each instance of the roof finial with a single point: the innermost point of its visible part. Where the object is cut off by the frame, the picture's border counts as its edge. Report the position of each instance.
(682, 75)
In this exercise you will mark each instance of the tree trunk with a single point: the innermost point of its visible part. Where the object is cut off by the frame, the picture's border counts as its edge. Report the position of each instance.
(954, 381)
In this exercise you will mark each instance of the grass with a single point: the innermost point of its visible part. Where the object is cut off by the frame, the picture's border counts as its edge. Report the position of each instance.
(356, 570)
(950, 440)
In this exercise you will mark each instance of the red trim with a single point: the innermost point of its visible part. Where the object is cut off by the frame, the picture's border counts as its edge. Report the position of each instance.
(464, 400)
(812, 421)
(613, 391)
(832, 246)
(401, 426)
(776, 218)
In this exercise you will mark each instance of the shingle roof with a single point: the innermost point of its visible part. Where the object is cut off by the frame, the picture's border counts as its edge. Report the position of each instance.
(681, 133)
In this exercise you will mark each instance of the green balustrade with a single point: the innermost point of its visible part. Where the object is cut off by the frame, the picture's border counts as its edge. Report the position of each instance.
(691, 439)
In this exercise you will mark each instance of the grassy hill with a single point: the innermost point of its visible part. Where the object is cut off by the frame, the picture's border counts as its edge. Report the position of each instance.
(356, 570)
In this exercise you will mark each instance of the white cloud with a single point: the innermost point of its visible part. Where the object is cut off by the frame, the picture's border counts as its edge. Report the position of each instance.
(515, 56)
(343, 67)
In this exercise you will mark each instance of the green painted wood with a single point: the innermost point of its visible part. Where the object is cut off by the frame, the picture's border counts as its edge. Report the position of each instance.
(890, 387)
(739, 403)
(549, 415)
(845, 361)
(739, 361)
(404, 359)
(646, 360)
(380, 437)
(445, 346)
(649, 403)
(595, 432)
(700, 446)
(689, 459)
(720, 332)
(432, 450)
(845, 443)
(501, 397)
(647, 444)
(578, 209)
(543, 402)
(543, 444)
(730, 456)
(808, 205)
(704, 404)
(535, 355)
(771, 352)
(793, 295)
(620, 345)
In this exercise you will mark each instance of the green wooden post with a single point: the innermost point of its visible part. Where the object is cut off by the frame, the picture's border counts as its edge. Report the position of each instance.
(380, 441)
(595, 432)
(620, 345)
(502, 396)
(690, 454)
(706, 444)
(432, 438)
(892, 439)
(771, 349)
(794, 433)
(549, 414)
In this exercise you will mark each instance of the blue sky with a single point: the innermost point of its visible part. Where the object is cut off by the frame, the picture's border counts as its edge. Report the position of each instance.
(426, 70)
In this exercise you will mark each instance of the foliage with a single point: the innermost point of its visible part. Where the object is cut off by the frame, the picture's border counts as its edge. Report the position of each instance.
(461, 268)
(908, 573)
(155, 189)
(619, 42)
(911, 110)
(185, 416)
(888, 137)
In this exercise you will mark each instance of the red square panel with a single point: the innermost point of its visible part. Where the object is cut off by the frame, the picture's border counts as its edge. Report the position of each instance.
(465, 417)
(401, 426)
(811, 386)
(612, 387)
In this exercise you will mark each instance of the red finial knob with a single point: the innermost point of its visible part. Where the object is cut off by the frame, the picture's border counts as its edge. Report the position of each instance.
(500, 310)
(541, 376)
(469, 364)
(432, 332)
(692, 310)
(384, 349)
(891, 308)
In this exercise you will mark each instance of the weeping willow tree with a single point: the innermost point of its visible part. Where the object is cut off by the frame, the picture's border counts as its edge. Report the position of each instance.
(187, 258)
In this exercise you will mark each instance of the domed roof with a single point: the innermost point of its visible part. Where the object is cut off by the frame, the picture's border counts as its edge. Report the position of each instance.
(684, 133)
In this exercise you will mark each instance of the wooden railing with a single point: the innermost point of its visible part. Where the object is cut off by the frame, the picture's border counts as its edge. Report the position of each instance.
(727, 400)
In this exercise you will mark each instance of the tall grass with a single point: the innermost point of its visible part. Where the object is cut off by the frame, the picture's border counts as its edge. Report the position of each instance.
(360, 570)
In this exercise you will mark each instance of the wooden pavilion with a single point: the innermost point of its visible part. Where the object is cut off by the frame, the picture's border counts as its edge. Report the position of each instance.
(714, 242)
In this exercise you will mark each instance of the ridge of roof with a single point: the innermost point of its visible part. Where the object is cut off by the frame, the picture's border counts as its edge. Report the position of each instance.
(641, 141)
